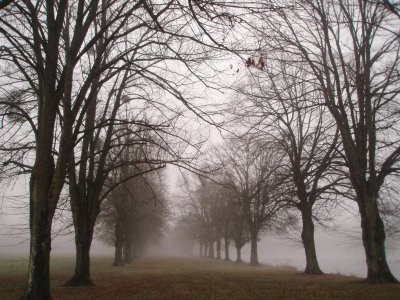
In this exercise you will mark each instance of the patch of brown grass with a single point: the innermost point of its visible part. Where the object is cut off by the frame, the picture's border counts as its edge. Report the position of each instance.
(198, 279)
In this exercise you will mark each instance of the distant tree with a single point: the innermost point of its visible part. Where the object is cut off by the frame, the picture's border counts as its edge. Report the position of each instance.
(214, 195)
(194, 212)
(254, 168)
(206, 209)
(228, 215)
(239, 229)
(150, 219)
(184, 236)
(284, 106)
(133, 214)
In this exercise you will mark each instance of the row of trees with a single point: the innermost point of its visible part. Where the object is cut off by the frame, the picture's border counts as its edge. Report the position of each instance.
(316, 121)
(133, 215)
(349, 53)
(211, 213)
(259, 187)
(82, 82)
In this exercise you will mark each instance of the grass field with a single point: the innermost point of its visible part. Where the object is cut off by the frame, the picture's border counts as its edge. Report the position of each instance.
(192, 279)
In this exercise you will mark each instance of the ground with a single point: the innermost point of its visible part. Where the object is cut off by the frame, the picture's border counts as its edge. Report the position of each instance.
(192, 279)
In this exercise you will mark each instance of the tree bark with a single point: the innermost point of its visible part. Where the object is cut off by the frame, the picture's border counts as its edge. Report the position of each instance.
(253, 249)
(84, 217)
(205, 248)
(226, 245)
(118, 256)
(127, 251)
(218, 248)
(210, 249)
(238, 254)
(47, 180)
(307, 236)
(373, 236)
(83, 241)
(39, 260)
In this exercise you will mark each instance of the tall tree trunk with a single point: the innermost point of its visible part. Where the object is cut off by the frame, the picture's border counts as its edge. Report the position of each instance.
(307, 236)
(127, 251)
(47, 180)
(373, 236)
(84, 216)
(205, 253)
(253, 248)
(218, 248)
(118, 256)
(226, 245)
(210, 249)
(39, 260)
(238, 254)
(83, 241)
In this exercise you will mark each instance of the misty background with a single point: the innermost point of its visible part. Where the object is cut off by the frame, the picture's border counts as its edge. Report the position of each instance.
(339, 246)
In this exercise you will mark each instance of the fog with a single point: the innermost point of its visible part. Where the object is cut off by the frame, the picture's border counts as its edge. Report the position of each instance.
(335, 253)
(339, 247)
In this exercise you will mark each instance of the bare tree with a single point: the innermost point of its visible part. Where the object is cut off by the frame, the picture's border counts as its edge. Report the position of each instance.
(238, 228)
(194, 212)
(352, 51)
(229, 214)
(284, 108)
(254, 170)
(217, 196)
(45, 62)
(133, 214)
(206, 210)
(120, 126)
(45, 56)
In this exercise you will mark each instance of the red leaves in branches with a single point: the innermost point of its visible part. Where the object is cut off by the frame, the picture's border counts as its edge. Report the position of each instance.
(251, 62)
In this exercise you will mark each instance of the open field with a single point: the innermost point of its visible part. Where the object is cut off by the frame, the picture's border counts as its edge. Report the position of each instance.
(174, 279)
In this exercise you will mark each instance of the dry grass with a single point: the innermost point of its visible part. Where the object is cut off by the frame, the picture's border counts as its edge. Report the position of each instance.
(174, 279)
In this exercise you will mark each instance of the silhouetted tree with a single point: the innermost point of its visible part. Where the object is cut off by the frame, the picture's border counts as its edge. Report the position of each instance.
(254, 169)
(44, 55)
(133, 214)
(284, 106)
